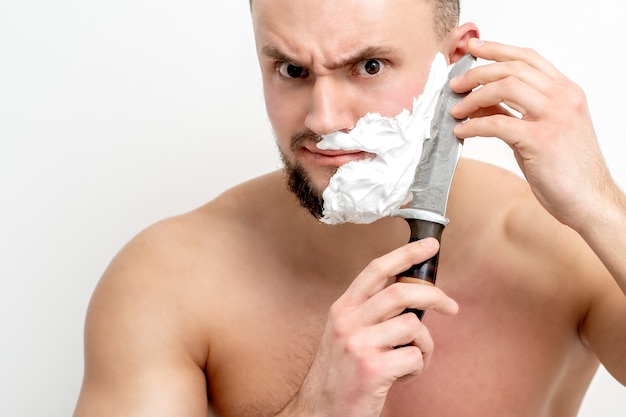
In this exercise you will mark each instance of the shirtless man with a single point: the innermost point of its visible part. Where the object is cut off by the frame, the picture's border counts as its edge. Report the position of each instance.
(251, 307)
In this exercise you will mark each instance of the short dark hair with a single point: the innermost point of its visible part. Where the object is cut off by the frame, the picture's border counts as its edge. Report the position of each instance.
(446, 14)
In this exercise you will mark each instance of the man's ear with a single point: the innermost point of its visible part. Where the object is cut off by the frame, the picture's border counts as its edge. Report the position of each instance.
(455, 44)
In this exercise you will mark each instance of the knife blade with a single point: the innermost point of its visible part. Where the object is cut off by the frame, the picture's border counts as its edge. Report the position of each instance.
(426, 215)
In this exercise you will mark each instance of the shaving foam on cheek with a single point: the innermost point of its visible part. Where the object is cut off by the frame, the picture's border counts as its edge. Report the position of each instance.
(366, 190)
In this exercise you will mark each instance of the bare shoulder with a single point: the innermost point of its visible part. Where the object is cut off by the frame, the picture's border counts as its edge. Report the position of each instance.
(491, 195)
(482, 194)
(498, 209)
(149, 324)
(503, 199)
(179, 263)
(185, 255)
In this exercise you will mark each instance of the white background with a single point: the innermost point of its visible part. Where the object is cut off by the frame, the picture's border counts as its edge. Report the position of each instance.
(115, 114)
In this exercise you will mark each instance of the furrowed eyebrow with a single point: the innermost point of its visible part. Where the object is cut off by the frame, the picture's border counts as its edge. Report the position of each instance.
(273, 52)
(368, 52)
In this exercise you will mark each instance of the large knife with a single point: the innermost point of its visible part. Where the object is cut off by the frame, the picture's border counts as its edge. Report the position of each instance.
(441, 152)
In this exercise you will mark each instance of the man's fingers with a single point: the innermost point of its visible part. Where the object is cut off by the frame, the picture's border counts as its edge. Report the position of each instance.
(502, 71)
(519, 77)
(394, 299)
(404, 330)
(499, 52)
(511, 91)
(382, 271)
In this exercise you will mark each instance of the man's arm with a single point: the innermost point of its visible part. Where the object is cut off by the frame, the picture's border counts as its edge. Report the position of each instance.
(138, 359)
(605, 324)
(555, 145)
(604, 232)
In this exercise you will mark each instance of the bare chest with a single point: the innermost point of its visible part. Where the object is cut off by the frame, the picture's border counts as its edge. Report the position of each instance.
(505, 353)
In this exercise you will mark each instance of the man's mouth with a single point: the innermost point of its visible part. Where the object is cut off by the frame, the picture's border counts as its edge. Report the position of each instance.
(335, 157)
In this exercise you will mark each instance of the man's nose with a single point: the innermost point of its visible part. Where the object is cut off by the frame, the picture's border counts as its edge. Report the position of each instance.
(330, 107)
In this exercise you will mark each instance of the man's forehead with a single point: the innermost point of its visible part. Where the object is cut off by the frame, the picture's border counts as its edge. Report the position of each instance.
(342, 12)
(337, 29)
(336, 1)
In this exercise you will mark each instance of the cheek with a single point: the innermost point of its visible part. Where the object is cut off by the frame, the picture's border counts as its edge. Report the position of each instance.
(399, 96)
(284, 112)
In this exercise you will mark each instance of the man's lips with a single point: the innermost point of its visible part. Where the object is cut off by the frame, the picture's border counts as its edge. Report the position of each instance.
(335, 157)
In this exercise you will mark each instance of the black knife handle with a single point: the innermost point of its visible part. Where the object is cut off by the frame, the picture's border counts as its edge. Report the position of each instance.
(425, 271)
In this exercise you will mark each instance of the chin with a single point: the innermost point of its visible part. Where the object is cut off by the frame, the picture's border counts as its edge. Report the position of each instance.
(319, 178)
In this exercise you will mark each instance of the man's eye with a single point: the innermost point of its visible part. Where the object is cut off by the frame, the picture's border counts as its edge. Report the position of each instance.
(288, 70)
(370, 67)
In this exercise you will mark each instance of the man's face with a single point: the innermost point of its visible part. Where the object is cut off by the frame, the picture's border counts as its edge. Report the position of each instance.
(326, 63)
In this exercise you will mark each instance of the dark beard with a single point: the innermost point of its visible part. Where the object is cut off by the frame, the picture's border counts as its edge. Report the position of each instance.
(297, 180)
(299, 184)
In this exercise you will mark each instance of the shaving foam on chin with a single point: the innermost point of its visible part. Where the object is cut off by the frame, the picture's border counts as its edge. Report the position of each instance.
(366, 190)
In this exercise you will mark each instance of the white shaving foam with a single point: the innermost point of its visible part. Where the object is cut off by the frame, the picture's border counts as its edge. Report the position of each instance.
(366, 190)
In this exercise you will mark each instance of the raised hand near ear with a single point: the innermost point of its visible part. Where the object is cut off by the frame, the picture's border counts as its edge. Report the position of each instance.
(552, 136)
